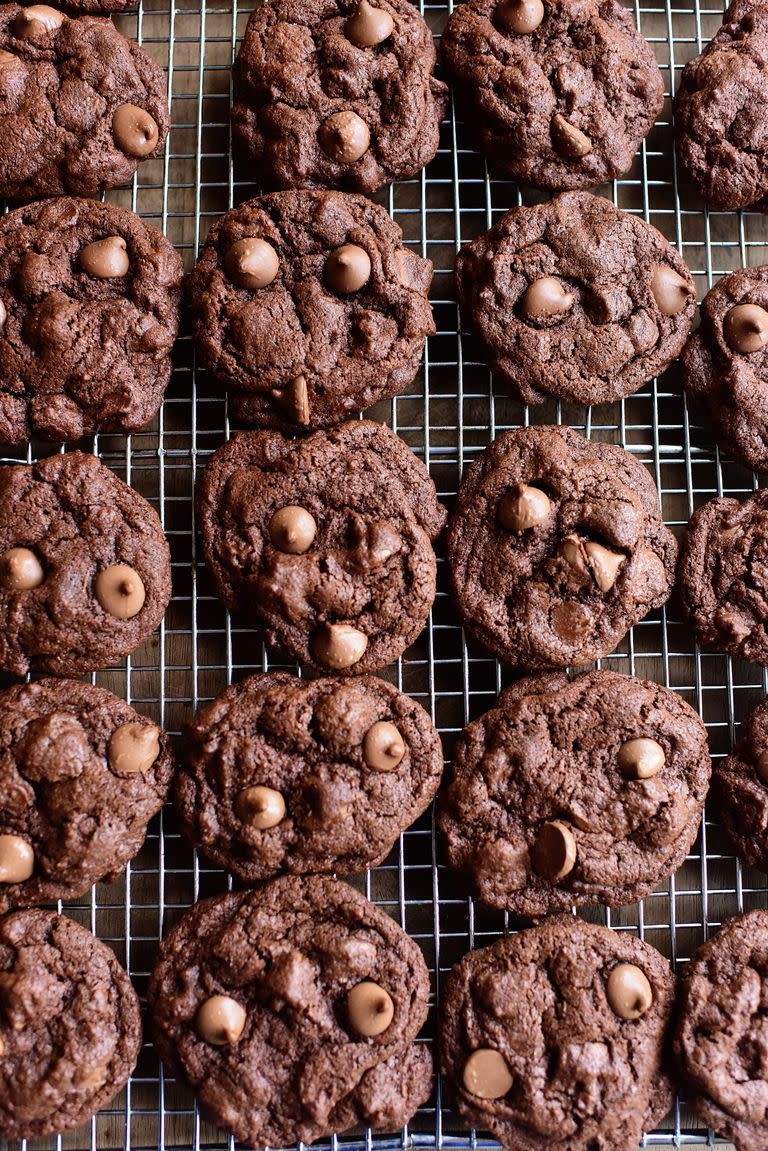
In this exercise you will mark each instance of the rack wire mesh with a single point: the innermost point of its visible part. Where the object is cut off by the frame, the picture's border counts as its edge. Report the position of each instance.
(448, 416)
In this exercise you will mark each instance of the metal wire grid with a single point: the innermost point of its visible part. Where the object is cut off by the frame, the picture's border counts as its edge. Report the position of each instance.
(448, 416)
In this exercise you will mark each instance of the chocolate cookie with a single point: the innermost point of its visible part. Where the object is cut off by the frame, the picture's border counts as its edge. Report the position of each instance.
(70, 1025)
(308, 308)
(575, 299)
(85, 571)
(723, 576)
(741, 786)
(725, 365)
(557, 547)
(81, 775)
(720, 111)
(553, 1038)
(572, 792)
(720, 1031)
(286, 774)
(560, 93)
(80, 106)
(291, 1011)
(89, 311)
(337, 93)
(326, 542)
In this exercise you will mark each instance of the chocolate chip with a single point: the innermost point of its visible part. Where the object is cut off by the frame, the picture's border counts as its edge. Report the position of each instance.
(20, 570)
(106, 259)
(120, 591)
(339, 645)
(670, 291)
(292, 530)
(604, 564)
(486, 1074)
(17, 859)
(523, 507)
(383, 746)
(344, 137)
(628, 990)
(569, 141)
(294, 400)
(220, 1020)
(133, 748)
(545, 298)
(347, 269)
(368, 26)
(37, 20)
(135, 132)
(261, 807)
(370, 1009)
(520, 17)
(252, 263)
(640, 758)
(745, 328)
(554, 852)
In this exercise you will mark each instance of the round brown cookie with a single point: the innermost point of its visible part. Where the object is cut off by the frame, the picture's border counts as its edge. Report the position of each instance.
(81, 775)
(741, 786)
(575, 299)
(286, 774)
(720, 110)
(325, 542)
(70, 1025)
(723, 576)
(337, 93)
(560, 93)
(80, 106)
(554, 1038)
(291, 1011)
(85, 570)
(89, 311)
(572, 792)
(556, 547)
(725, 364)
(720, 1031)
(308, 308)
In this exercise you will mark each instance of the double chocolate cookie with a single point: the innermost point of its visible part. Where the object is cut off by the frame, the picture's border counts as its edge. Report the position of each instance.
(80, 106)
(286, 774)
(325, 542)
(560, 93)
(720, 1032)
(571, 792)
(308, 308)
(554, 1038)
(337, 93)
(70, 1025)
(291, 1011)
(557, 547)
(741, 786)
(723, 576)
(725, 364)
(85, 570)
(81, 775)
(720, 111)
(575, 299)
(89, 311)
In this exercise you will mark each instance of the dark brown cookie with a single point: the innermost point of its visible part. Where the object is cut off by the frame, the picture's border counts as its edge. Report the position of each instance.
(89, 311)
(297, 775)
(80, 106)
(337, 93)
(575, 299)
(553, 1038)
(70, 1025)
(292, 1010)
(85, 570)
(81, 775)
(325, 542)
(557, 547)
(720, 111)
(725, 364)
(723, 576)
(720, 1031)
(560, 93)
(571, 792)
(741, 786)
(308, 308)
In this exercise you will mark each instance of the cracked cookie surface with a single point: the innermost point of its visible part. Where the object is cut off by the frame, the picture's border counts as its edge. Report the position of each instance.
(325, 542)
(720, 1032)
(80, 106)
(322, 775)
(572, 792)
(70, 1025)
(323, 995)
(560, 93)
(89, 301)
(720, 111)
(553, 1038)
(723, 576)
(575, 299)
(85, 570)
(337, 93)
(294, 351)
(75, 796)
(556, 547)
(741, 785)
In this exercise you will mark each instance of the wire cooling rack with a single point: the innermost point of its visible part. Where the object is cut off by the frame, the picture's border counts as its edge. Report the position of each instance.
(448, 416)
